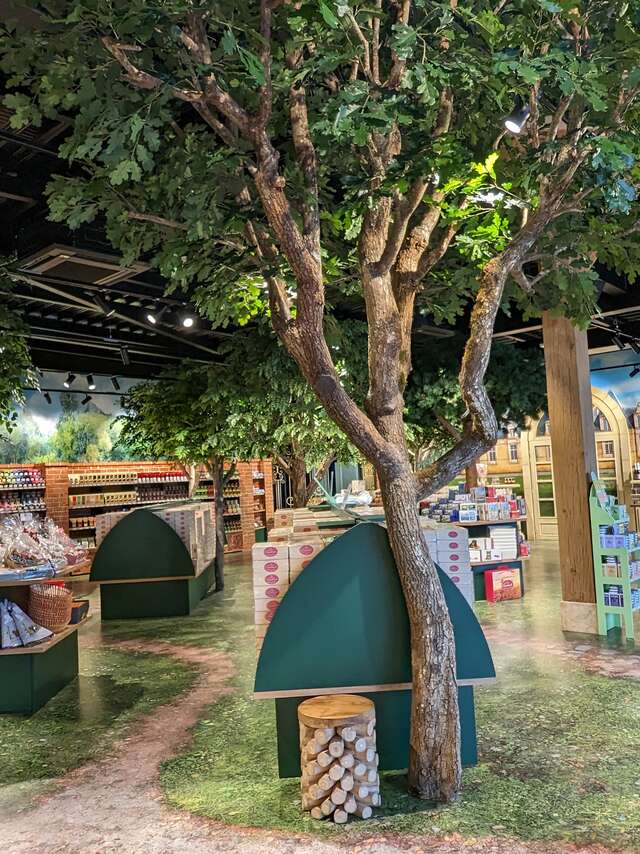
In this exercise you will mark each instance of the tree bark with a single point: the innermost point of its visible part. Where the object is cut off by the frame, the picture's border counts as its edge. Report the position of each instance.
(298, 480)
(471, 476)
(191, 471)
(434, 749)
(217, 474)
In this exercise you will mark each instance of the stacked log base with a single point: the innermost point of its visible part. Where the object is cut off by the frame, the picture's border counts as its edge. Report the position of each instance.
(338, 757)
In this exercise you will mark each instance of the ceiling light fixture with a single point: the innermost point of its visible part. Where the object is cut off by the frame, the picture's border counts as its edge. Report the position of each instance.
(90, 382)
(86, 399)
(107, 310)
(69, 380)
(617, 340)
(124, 355)
(115, 383)
(635, 372)
(47, 397)
(517, 119)
(187, 321)
(635, 345)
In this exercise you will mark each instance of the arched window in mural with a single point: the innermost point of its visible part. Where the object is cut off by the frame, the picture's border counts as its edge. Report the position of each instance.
(544, 426)
(600, 422)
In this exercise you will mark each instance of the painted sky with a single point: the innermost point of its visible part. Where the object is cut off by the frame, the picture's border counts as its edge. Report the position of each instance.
(610, 373)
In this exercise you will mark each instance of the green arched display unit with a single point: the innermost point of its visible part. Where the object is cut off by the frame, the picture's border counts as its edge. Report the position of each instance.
(145, 570)
(343, 626)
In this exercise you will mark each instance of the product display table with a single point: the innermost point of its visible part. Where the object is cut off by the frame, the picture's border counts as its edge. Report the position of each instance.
(342, 628)
(31, 675)
(480, 567)
(145, 569)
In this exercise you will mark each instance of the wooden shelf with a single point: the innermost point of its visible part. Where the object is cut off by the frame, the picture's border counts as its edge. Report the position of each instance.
(496, 562)
(485, 522)
(38, 648)
(23, 510)
(20, 488)
(63, 573)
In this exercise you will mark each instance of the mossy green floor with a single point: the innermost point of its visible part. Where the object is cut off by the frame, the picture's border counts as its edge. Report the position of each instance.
(80, 723)
(558, 747)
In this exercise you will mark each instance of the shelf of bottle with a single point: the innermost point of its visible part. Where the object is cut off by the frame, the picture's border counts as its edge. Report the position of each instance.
(126, 503)
(5, 488)
(80, 528)
(23, 510)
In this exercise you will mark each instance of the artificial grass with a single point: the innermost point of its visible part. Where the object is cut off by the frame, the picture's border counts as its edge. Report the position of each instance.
(558, 752)
(82, 721)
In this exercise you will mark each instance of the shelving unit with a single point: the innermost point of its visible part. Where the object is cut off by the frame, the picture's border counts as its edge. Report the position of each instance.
(232, 515)
(21, 491)
(480, 567)
(616, 575)
(31, 675)
(259, 504)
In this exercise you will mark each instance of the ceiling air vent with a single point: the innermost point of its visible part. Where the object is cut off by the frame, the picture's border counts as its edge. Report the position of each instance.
(71, 264)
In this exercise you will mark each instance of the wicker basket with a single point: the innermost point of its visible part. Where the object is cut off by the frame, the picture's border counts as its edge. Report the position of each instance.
(50, 606)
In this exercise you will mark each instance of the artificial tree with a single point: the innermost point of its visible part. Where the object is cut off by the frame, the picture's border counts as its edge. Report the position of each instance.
(16, 368)
(320, 146)
(184, 416)
(435, 414)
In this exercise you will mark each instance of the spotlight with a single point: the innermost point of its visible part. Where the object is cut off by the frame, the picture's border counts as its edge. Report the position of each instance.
(122, 402)
(90, 382)
(47, 397)
(86, 399)
(187, 321)
(516, 120)
(107, 310)
(635, 345)
(124, 355)
(69, 380)
(617, 340)
(115, 383)
(635, 372)
(153, 316)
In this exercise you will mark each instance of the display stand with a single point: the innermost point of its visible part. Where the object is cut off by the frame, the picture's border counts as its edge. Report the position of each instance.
(342, 627)
(31, 675)
(144, 570)
(480, 567)
(614, 597)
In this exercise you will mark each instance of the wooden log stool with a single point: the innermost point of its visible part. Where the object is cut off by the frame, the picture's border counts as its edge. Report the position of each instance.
(338, 757)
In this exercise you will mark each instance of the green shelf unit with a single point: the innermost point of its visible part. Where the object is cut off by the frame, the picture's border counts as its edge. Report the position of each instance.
(144, 570)
(31, 676)
(604, 510)
(342, 627)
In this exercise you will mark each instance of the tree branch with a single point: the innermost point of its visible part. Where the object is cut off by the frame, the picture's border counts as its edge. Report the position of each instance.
(142, 79)
(398, 65)
(157, 220)
(306, 156)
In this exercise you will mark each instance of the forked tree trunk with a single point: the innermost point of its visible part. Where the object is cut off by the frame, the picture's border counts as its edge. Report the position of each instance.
(434, 748)
(191, 472)
(298, 480)
(217, 475)
(471, 476)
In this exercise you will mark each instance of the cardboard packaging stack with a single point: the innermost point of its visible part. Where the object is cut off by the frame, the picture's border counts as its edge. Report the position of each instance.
(505, 541)
(449, 547)
(270, 583)
(195, 524)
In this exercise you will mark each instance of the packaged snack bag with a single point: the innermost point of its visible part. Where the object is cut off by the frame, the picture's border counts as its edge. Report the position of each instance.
(9, 635)
(29, 631)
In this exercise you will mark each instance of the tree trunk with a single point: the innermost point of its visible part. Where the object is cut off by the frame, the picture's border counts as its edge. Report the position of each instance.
(191, 471)
(298, 479)
(471, 475)
(434, 745)
(217, 475)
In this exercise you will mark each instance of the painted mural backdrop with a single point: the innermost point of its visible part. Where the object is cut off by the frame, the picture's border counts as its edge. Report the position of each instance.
(610, 372)
(68, 429)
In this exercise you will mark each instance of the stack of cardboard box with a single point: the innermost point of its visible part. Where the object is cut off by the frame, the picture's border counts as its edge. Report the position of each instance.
(449, 547)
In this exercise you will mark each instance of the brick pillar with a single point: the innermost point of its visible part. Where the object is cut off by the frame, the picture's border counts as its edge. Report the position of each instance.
(56, 494)
(245, 472)
(267, 468)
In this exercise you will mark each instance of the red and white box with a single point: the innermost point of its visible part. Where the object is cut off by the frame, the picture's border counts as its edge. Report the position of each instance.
(502, 583)
(305, 550)
(297, 566)
(278, 535)
(270, 551)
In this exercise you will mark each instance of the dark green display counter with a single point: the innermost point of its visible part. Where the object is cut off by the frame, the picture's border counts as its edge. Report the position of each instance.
(30, 677)
(145, 570)
(342, 627)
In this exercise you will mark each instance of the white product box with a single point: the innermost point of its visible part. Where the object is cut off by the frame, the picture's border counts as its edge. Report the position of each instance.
(305, 527)
(278, 535)
(266, 567)
(305, 550)
(270, 551)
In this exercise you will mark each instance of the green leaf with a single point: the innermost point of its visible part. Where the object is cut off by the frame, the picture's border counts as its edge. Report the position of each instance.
(328, 15)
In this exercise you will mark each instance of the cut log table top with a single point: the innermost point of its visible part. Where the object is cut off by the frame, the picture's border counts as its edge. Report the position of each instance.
(335, 710)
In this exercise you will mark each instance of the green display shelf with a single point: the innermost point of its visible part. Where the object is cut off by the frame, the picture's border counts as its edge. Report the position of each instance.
(144, 570)
(342, 627)
(31, 676)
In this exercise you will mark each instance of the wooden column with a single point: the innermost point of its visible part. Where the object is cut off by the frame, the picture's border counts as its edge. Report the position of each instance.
(574, 458)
